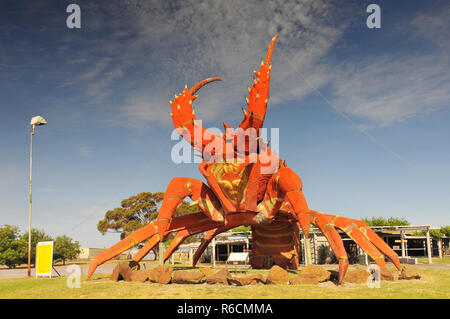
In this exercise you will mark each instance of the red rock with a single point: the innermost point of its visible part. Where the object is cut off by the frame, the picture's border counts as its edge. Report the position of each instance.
(160, 274)
(250, 279)
(121, 271)
(220, 277)
(187, 277)
(256, 279)
(134, 265)
(277, 276)
(239, 280)
(208, 272)
(316, 272)
(356, 276)
(140, 275)
(386, 274)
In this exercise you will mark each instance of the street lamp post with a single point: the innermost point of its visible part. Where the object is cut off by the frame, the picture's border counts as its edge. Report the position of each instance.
(35, 121)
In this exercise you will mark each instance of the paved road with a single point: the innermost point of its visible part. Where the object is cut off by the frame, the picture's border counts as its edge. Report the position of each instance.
(433, 266)
(62, 270)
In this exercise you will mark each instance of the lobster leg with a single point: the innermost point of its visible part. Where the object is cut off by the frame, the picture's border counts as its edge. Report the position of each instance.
(378, 242)
(210, 234)
(178, 189)
(286, 186)
(207, 240)
(234, 220)
(366, 238)
(181, 187)
(336, 244)
(182, 235)
(149, 245)
(289, 186)
(284, 191)
(193, 222)
(360, 232)
(212, 230)
(179, 238)
(129, 242)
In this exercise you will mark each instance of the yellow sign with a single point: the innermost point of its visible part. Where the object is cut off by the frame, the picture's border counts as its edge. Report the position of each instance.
(44, 258)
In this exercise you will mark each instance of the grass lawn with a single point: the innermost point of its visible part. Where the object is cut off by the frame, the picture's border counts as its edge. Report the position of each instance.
(435, 283)
(435, 260)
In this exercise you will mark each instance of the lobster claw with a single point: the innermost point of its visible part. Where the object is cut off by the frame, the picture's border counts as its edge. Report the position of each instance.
(184, 119)
(259, 93)
(201, 84)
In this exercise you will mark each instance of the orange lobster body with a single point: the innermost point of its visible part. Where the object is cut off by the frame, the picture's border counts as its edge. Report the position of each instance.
(247, 184)
(277, 243)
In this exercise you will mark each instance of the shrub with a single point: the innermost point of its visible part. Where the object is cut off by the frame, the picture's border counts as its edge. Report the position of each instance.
(13, 249)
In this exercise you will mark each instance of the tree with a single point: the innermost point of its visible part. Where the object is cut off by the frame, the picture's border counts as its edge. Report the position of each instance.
(437, 233)
(138, 211)
(13, 249)
(65, 249)
(241, 229)
(14, 246)
(445, 230)
(36, 236)
(380, 221)
(133, 213)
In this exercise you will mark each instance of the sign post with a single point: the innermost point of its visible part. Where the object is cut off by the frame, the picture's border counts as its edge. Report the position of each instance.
(44, 258)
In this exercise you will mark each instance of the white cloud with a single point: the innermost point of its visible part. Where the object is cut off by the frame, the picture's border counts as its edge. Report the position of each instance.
(433, 26)
(390, 89)
(154, 48)
(144, 108)
(169, 44)
(395, 87)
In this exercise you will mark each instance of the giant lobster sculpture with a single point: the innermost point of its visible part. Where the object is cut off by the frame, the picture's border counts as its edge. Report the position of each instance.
(244, 188)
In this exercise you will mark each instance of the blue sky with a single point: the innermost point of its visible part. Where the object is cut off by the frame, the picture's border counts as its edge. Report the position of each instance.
(374, 142)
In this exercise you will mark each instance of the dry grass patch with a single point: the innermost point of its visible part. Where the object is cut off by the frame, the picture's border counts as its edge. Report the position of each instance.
(435, 283)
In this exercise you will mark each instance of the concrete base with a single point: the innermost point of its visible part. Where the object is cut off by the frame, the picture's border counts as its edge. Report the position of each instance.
(363, 260)
(408, 260)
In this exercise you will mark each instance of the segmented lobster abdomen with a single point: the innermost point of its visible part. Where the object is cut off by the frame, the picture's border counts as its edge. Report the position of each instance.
(274, 244)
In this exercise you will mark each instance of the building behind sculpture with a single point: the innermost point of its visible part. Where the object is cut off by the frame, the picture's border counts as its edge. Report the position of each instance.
(401, 239)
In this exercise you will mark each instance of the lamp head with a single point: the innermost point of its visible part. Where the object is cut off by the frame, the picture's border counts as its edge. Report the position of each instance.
(38, 120)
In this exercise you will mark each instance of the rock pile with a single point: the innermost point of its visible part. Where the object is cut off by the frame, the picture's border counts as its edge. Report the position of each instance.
(309, 275)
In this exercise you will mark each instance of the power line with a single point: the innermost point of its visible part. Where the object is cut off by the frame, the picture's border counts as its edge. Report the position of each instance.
(163, 145)
(358, 127)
